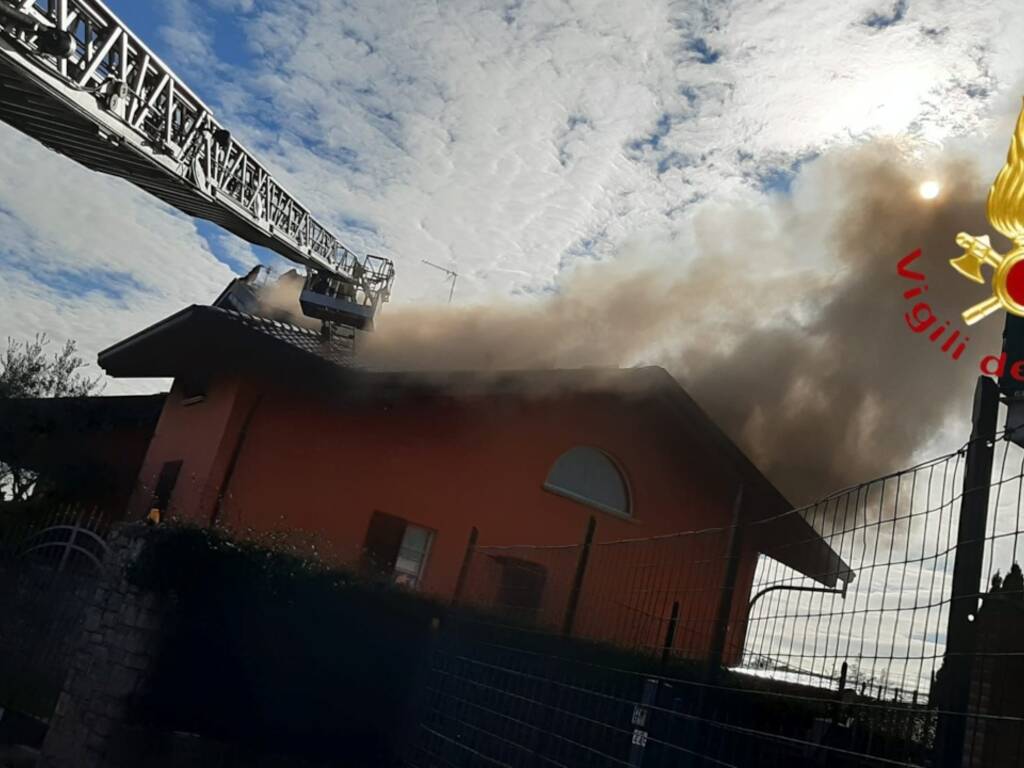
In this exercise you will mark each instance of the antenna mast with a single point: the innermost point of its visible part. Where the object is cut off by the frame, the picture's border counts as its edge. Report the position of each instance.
(451, 275)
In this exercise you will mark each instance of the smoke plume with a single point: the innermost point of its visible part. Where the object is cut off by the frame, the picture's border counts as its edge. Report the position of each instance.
(785, 321)
(279, 300)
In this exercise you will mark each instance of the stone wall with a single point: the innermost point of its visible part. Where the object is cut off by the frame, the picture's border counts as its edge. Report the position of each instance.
(119, 642)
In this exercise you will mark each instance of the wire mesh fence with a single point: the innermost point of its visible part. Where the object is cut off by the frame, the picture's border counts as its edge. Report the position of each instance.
(816, 637)
(900, 534)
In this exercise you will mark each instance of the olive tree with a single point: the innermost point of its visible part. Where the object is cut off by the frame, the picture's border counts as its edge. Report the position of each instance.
(30, 369)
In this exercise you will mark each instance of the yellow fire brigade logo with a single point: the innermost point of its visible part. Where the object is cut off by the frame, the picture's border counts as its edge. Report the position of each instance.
(1006, 215)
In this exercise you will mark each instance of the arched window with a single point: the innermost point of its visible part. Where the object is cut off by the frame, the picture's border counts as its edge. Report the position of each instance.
(588, 476)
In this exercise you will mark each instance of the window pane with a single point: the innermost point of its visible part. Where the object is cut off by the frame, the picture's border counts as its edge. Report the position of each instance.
(587, 475)
(412, 555)
(416, 539)
(407, 564)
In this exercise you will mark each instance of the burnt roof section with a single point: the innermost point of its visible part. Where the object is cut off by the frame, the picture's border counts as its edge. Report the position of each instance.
(203, 338)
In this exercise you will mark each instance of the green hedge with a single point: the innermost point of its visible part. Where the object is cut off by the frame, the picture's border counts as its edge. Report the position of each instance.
(280, 653)
(275, 651)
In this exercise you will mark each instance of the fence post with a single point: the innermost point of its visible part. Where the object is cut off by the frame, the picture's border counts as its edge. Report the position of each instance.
(732, 563)
(577, 582)
(670, 634)
(466, 560)
(837, 706)
(970, 548)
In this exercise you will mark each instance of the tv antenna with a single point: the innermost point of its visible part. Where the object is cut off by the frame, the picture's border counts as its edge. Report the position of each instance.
(451, 275)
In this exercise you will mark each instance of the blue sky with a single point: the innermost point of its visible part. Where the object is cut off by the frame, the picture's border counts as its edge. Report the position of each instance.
(150, 23)
(143, 18)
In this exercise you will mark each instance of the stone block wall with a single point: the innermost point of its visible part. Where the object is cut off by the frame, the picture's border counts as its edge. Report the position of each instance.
(120, 639)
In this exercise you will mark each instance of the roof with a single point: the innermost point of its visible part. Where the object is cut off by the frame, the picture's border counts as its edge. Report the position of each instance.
(202, 336)
(215, 337)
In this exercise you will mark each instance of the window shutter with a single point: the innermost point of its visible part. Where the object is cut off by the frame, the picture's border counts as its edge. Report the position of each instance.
(383, 542)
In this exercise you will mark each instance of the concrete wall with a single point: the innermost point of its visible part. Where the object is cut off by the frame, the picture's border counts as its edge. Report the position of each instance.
(203, 435)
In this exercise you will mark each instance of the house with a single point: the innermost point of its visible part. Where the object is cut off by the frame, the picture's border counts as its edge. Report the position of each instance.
(271, 430)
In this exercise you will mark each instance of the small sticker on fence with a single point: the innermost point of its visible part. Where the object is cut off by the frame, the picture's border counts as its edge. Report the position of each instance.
(639, 715)
(639, 738)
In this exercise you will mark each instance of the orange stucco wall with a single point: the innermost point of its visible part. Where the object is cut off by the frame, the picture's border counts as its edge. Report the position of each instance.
(202, 435)
(320, 466)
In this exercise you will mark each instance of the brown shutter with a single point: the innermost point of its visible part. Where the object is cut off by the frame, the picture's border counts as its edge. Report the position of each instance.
(383, 540)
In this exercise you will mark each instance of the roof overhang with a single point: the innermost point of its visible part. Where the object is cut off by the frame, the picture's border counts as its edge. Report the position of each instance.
(202, 338)
(778, 529)
(792, 541)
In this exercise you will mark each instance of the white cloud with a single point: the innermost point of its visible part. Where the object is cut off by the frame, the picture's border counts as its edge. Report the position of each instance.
(90, 257)
(505, 143)
(502, 141)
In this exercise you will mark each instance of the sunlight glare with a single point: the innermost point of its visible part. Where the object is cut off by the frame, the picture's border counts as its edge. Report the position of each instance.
(930, 189)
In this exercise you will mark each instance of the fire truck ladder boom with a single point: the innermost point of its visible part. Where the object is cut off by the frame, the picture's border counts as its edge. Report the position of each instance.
(74, 77)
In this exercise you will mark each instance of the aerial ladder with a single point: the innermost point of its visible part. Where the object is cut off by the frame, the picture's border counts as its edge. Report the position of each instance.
(75, 78)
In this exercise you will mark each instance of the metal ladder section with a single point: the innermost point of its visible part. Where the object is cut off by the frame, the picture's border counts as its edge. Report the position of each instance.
(74, 77)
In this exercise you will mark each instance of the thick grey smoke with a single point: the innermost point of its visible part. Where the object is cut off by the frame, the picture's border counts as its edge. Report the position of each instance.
(279, 300)
(784, 321)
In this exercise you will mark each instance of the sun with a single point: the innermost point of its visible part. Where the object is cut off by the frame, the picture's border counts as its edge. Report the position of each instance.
(930, 189)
